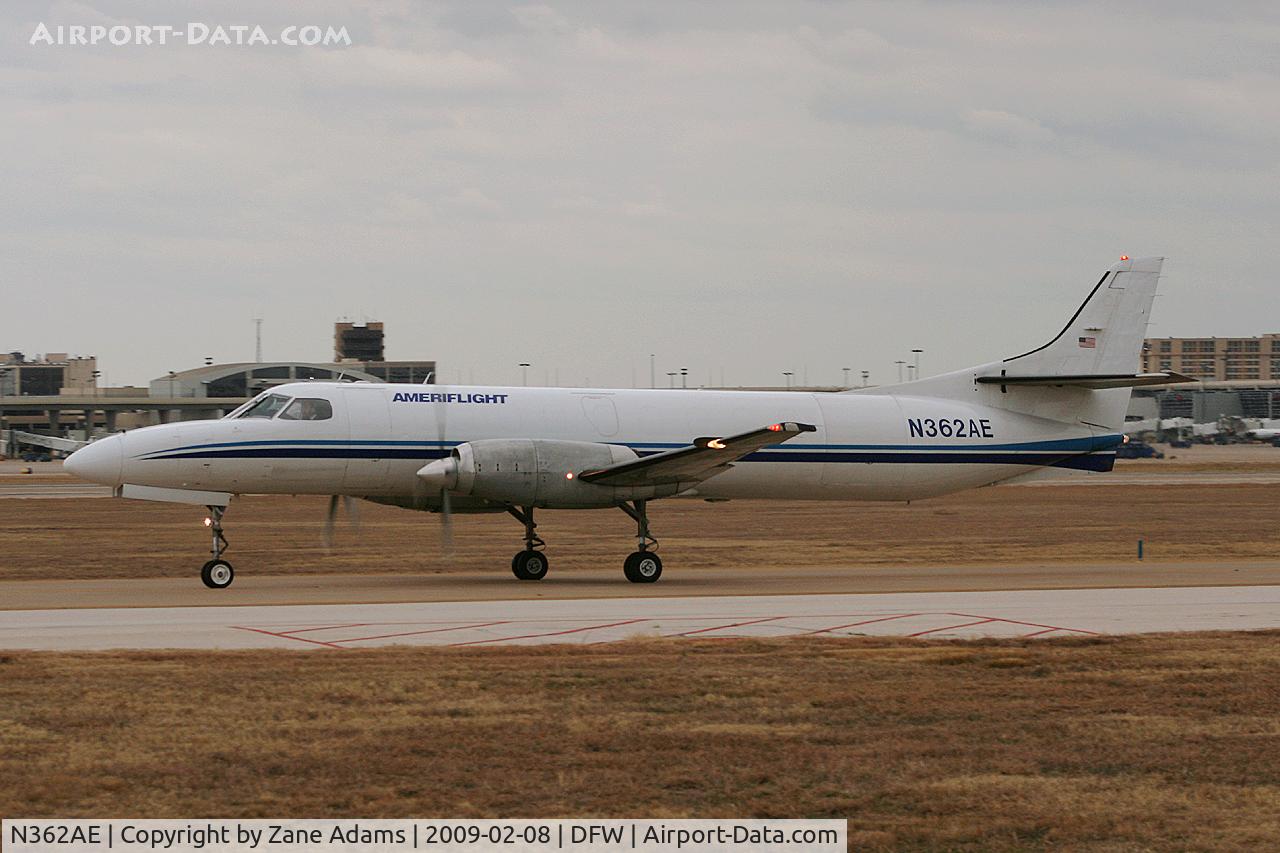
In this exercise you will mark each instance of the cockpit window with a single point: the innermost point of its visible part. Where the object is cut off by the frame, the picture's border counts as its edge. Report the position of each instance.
(266, 407)
(308, 409)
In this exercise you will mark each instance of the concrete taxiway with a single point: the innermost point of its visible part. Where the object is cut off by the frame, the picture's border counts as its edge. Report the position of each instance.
(251, 588)
(1023, 613)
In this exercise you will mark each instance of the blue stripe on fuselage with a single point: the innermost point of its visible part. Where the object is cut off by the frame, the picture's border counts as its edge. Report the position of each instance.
(1023, 455)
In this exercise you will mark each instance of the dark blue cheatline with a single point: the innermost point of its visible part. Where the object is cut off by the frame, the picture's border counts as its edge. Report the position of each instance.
(1093, 453)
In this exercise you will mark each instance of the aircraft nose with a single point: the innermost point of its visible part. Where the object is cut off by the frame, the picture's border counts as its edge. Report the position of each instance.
(99, 462)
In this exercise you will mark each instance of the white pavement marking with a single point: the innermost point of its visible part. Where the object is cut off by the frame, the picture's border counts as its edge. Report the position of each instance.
(1021, 613)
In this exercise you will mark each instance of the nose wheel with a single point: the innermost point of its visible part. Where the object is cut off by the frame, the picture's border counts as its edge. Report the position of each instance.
(217, 573)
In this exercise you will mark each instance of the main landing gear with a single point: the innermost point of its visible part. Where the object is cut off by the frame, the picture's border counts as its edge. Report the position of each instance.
(643, 566)
(531, 563)
(217, 573)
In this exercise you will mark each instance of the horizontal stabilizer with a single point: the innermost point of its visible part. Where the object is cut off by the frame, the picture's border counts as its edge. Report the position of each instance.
(1094, 381)
(705, 458)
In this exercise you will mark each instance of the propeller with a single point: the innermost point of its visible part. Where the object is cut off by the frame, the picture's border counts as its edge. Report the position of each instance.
(351, 509)
(440, 475)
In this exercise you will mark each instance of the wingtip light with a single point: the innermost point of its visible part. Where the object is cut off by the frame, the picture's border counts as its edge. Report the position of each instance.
(1124, 257)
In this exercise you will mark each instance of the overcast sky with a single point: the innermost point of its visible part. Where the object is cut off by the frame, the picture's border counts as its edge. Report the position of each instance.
(739, 187)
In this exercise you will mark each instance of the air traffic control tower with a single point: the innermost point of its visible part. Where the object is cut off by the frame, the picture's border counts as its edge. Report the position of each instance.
(353, 342)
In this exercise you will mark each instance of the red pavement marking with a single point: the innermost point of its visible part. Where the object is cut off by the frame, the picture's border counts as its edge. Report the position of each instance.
(553, 633)
(287, 637)
(1045, 631)
(865, 622)
(427, 631)
(952, 627)
(1030, 624)
(325, 628)
(722, 627)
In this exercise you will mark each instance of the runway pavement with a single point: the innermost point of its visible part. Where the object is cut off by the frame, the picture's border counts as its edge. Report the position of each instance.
(1024, 613)
(50, 487)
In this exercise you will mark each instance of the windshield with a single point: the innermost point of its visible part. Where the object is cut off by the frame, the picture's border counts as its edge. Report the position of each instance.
(308, 409)
(265, 407)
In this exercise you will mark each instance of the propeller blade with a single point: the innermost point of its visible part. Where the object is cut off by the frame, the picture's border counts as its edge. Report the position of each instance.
(326, 534)
(352, 508)
(446, 523)
(446, 512)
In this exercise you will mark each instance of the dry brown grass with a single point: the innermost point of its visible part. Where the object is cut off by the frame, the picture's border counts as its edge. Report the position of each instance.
(1101, 744)
(104, 538)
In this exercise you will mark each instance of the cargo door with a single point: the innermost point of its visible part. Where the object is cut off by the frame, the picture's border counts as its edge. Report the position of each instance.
(369, 424)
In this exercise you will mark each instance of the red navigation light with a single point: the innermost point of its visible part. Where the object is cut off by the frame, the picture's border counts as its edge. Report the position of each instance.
(1124, 257)
(569, 476)
(775, 427)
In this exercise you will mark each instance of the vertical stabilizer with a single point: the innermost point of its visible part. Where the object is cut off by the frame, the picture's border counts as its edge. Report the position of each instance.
(1098, 354)
(1105, 336)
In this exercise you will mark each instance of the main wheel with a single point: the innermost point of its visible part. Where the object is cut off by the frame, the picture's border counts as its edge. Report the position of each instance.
(217, 574)
(530, 565)
(642, 567)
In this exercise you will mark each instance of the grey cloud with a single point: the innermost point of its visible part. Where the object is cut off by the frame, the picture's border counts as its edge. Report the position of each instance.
(748, 185)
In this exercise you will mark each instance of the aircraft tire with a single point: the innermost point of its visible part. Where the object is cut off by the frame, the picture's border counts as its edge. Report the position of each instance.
(217, 574)
(642, 567)
(530, 565)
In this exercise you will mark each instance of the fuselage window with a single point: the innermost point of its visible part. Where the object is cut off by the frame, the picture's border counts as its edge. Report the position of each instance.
(266, 407)
(308, 409)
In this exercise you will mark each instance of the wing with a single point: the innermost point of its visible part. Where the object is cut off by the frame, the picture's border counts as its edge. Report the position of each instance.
(705, 458)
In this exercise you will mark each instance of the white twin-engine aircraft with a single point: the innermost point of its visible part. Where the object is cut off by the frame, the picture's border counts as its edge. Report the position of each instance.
(474, 449)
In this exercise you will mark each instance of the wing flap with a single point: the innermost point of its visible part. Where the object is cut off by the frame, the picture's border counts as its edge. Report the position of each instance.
(705, 458)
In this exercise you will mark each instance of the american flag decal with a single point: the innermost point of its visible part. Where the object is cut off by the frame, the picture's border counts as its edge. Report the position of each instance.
(1089, 343)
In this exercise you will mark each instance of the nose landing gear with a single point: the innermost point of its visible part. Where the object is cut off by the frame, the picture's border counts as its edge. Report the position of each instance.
(217, 573)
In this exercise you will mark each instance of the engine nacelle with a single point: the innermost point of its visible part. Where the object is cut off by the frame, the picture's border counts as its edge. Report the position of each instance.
(537, 472)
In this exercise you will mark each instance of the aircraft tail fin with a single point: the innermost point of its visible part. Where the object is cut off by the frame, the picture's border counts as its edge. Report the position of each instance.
(1084, 374)
(1104, 337)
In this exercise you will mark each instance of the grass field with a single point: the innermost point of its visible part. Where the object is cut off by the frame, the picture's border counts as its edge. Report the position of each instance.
(1163, 742)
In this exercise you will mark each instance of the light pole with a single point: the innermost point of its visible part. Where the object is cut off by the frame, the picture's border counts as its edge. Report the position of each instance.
(917, 352)
(671, 378)
(96, 374)
(171, 378)
(899, 362)
(911, 373)
(788, 374)
(684, 377)
(653, 377)
(846, 376)
(524, 373)
(866, 374)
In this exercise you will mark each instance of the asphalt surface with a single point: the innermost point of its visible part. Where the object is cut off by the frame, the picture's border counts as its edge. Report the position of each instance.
(1024, 613)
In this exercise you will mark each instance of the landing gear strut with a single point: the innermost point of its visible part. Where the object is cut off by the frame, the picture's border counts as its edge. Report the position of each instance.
(531, 563)
(643, 566)
(217, 573)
